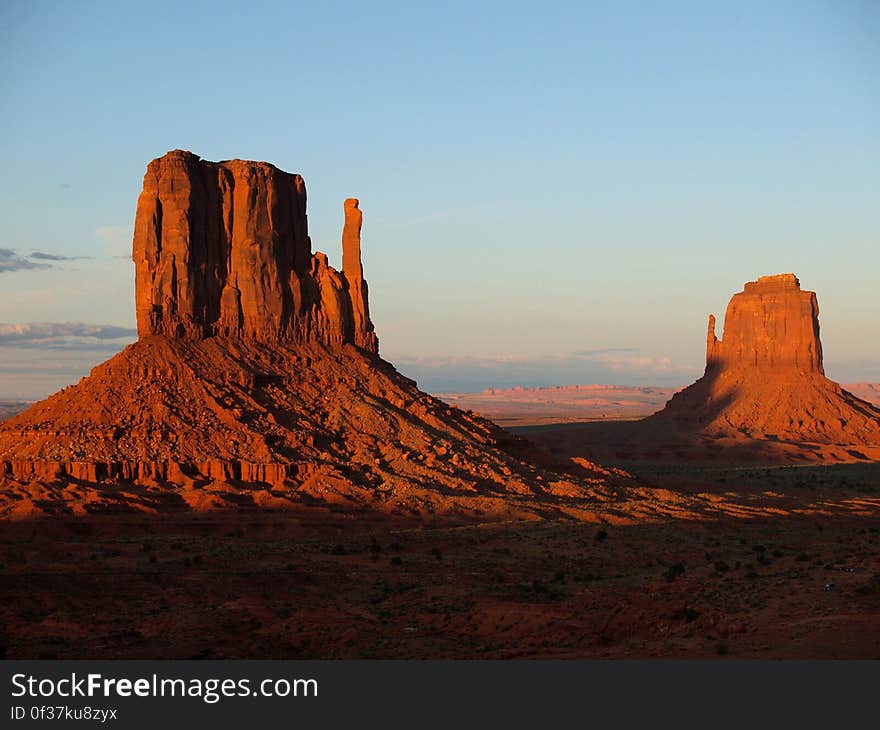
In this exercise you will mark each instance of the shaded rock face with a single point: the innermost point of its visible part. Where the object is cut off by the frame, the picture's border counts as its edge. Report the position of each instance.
(765, 379)
(222, 248)
(772, 326)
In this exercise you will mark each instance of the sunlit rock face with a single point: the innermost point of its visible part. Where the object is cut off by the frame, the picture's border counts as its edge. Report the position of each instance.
(772, 326)
(765, 378)
(222, 248)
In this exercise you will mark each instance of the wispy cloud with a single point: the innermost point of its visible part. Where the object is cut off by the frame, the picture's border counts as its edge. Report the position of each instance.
(619, 366)
(603, 351)
(37, 358)
(11, 260)
(43, 256)
(63, 335)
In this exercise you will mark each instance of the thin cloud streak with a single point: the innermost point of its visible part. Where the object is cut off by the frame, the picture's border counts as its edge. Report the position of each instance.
(38, 358)
(62, 335)
(618, 366)
(11, 260)
(43, 256)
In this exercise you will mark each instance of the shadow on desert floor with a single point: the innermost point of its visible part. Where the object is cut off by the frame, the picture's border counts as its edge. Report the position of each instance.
(628, 444)
(336, 585)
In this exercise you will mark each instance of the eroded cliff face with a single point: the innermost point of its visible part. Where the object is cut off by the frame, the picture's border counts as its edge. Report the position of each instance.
(222, 248)
(772, 326)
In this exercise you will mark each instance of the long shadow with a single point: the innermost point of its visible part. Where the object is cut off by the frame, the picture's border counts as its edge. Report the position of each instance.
(676, 435)
(345, 584)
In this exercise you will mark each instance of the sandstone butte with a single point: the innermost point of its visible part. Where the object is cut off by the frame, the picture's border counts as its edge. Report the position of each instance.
(765, 379)
(256, 379)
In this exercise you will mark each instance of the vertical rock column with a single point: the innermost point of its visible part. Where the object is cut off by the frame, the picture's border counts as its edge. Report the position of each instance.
(712, 344)
(353, 271)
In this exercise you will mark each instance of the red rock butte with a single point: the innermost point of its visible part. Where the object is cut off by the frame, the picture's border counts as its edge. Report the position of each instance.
(765, 377)
(772, 326)
(223, 248)
(255, 378)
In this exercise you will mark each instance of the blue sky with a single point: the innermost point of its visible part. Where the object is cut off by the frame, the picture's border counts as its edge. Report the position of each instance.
(553, 193)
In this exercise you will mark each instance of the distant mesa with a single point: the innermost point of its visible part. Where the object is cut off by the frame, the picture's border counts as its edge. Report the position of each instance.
(765, 378)
(866, 391)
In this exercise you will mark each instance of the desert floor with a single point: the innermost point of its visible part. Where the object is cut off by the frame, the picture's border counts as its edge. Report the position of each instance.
(788, 565)
(797, 576)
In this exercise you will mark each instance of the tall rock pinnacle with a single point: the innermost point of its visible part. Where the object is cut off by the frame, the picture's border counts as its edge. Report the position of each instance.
(353, 270)
(222, 248)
